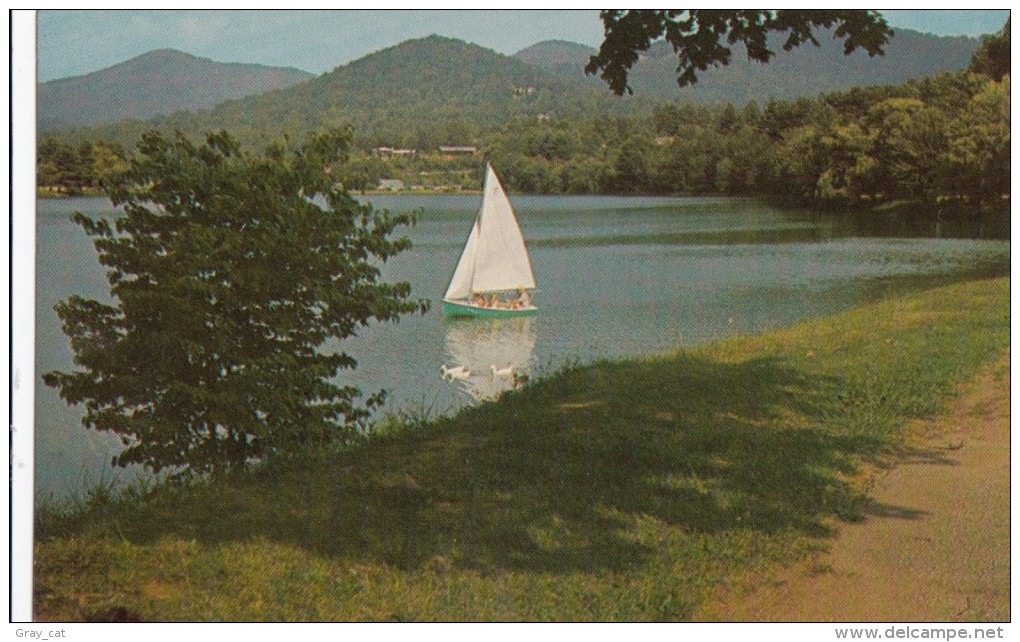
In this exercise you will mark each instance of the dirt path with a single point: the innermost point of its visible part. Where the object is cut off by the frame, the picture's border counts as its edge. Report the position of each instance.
(934, 544)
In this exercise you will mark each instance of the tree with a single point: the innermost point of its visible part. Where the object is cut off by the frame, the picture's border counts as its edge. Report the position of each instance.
(849, 168)
(980, 144)
(992, 57)
(798, 165)
(697, 34)
(47, 171)
(364, 172)
(631, 164)
(233, 276)
(912, 145)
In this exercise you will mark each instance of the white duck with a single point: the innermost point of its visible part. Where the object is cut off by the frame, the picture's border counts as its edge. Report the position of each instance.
(456, 372)
(501, 372)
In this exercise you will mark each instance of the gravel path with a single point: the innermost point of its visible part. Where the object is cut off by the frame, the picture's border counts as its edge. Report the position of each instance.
(934, 544)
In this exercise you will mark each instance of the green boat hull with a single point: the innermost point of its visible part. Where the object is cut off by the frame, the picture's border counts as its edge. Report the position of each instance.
(456, 309)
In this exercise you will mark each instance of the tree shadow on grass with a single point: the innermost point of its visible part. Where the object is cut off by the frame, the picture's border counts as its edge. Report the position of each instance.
(555, 477)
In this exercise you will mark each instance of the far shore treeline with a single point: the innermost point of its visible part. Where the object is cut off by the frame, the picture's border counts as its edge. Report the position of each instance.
(939, 141)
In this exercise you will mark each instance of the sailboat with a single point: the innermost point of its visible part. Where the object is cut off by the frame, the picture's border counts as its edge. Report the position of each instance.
(494, 262)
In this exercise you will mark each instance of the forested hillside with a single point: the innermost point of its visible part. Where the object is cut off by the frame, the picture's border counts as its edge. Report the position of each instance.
(158, 82)
(433, 91)
(804, 71)
(421, 93)
(937, 139)
(942, 140)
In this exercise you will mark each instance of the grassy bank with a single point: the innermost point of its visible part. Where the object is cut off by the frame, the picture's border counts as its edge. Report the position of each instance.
(622, 490)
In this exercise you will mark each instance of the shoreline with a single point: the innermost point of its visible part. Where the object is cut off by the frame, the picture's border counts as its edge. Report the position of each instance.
(646, 485)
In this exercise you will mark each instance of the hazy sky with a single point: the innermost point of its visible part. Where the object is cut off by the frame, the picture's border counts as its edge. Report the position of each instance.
(71, 43)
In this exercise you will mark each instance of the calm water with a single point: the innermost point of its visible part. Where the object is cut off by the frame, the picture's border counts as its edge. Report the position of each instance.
(616, 276)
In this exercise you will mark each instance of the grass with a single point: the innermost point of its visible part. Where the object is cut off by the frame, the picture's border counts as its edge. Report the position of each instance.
(622, 490)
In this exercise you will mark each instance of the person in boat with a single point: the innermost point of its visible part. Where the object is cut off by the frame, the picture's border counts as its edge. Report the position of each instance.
(493, 301)
(523, 298)
(479, 300)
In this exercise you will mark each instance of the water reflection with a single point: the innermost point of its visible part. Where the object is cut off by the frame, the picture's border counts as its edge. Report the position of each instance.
(485, 357)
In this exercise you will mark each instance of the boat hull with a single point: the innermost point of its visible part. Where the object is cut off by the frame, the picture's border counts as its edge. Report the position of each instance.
(464, 309)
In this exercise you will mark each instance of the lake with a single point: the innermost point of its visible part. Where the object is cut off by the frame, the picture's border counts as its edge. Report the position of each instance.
(617, 276)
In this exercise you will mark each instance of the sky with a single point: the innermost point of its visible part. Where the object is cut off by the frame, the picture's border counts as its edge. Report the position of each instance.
(72, 43)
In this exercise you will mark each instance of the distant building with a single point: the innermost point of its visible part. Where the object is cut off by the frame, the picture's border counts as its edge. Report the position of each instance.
(391, 184)
(394, 151)
(452, 150)
(663, 140)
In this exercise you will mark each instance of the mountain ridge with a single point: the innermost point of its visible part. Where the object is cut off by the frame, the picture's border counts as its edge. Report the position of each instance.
(804, 71)
(157, 82)
(435, 90)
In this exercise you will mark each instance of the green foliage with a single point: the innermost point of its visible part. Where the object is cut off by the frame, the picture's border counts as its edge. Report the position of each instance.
(419, 94)
(992, 58)
(436, 91)
(696, 36)
(233, 277)
(981, 150)
(72, 169)
(941, 141)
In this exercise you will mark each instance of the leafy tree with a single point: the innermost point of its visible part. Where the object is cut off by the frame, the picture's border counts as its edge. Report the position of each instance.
(782, 115)
(980, 145)
(233, 276)
(683, 165)
(631, 165)
(62, 165)
(727, 120)
(992, 57)
(747, 150)
(911, 140)
(76, 168)
(750, 115)
(48, 171)
(364, 172)
(798, 166)
(697, 35)
(849, 168)
(587, 175)
(108, 159)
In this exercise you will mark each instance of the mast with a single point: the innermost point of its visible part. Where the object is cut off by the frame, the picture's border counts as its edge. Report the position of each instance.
(495, 257)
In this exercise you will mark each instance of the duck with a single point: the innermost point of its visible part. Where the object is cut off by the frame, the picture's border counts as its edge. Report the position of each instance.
(456, 372)
(501, 372)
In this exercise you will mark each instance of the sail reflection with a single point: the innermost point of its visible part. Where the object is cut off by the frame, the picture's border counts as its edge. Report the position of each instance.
(486, 357)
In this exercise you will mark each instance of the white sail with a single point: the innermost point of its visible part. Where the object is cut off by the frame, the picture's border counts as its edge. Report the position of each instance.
(460, 284)
(495, 257)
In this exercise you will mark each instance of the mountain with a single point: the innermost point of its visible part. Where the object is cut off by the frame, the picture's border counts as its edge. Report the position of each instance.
(419, 93)
(557, 55)
(804, 71)
(432, 91)
(157, 82)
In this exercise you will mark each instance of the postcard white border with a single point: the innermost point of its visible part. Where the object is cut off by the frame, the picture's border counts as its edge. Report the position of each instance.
(22, 310)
